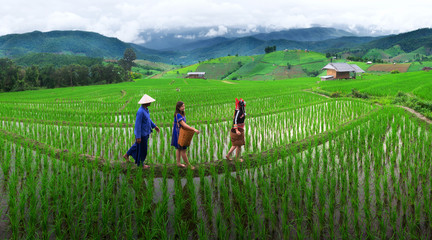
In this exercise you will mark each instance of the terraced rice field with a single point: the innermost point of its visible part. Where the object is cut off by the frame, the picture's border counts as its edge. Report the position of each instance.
(401, 67)
(314, 167)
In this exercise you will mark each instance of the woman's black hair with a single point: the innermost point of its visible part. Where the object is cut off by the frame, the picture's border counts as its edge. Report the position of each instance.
(177, 109)
(242, 107)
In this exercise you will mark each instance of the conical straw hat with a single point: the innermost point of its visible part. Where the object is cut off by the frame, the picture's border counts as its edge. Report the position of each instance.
(146, 99)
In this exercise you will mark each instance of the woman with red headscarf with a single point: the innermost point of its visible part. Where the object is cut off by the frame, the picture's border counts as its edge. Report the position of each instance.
(238, 129)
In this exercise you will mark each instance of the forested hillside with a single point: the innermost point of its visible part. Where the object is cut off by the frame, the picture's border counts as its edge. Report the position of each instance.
(315, 39)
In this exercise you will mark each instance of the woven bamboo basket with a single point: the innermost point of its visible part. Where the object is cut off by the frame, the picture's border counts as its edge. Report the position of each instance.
(185, 137)
(237, 140)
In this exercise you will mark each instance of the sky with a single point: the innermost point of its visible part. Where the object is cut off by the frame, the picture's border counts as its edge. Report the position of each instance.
(126, 19)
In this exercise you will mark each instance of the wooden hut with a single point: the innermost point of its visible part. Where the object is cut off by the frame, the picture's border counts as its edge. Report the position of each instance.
(340, 70)
(196, 75)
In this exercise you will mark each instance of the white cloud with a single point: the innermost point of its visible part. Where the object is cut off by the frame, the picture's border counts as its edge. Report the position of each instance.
(63, 20)
(248, 29)
(222, 30)
(128, 18)
(190, 37)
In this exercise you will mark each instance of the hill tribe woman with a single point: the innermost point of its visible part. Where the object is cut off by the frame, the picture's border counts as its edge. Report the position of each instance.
(143, 128)
(238, 129)
(180, 121)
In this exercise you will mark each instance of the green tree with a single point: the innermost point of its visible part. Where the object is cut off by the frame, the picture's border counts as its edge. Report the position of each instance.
(20, 84)
(270, 49)
(73, 75)
(47, 76)
(32, 76)
(80, 75)
(8, 74)
(97, 73)
(127, 61)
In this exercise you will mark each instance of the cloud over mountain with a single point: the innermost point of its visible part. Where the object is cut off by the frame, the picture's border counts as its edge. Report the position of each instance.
(128, 19)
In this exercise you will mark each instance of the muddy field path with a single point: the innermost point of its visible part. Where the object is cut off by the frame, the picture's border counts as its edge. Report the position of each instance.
(310, 91)
(416, 114)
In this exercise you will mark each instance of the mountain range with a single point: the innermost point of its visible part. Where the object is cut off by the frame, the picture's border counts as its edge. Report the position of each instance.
(172, 39)
(187, 52)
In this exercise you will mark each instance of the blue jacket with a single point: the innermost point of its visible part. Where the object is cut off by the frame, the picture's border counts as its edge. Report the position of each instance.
(143, 123)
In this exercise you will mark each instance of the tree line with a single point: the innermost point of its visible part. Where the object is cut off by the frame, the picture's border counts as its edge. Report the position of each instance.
(14, 77)
(270, 49)
(18, 78)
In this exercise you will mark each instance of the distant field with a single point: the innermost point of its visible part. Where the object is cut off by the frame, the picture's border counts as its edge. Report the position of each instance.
(271, 66)
(230, 59)
(217, 70)
(376, 54)
(284, 65)
(361, 65)
(181, 72)
(395, 54)
(424, 91)
(416, 66)
(417, 83)
(162, 66)
(283, 73)
(294, 57)
(389, 67)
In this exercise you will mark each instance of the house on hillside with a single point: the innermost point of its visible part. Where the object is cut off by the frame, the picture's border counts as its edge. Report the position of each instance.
(110, 60)
(341, 71)
(196, 75)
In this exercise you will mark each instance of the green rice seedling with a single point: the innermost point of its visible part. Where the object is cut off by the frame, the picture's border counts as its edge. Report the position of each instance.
(6, 162)
(148, 232)
(251, 207)
(284, 215)
(222, 230)
(192, 199)
(428, 205)
(378, 201)
(415, 225)
(426, 194)
(32, 204)
(161, 212)
(208, 201)
(225, 202)
(13, 213)
(332, 207)
(202, 231)
(266, 205)
(322, 196)
(179, 205)
(44, 210)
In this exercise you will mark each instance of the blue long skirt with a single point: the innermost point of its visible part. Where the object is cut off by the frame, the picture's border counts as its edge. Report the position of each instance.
(139, 150)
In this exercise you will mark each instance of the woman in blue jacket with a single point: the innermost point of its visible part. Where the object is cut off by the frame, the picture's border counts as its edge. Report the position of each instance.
(180, 121)
(143, 128)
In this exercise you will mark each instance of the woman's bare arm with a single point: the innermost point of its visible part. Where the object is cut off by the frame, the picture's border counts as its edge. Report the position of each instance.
(185, 126)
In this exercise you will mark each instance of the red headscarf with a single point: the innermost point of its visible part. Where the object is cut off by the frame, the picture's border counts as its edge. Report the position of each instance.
(237, 105)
